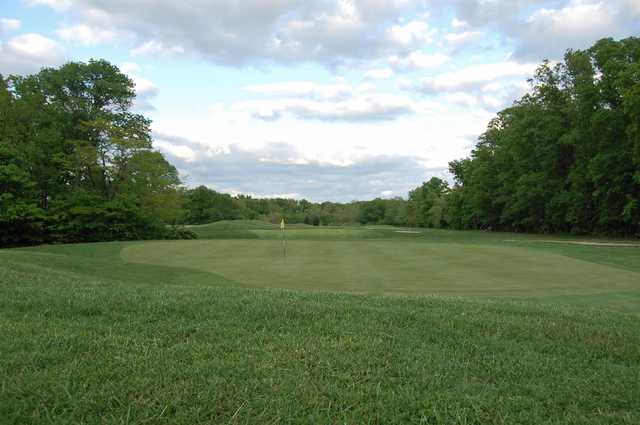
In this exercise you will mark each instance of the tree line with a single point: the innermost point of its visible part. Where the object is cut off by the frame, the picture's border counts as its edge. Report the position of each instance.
(425, 207)
(76, 164)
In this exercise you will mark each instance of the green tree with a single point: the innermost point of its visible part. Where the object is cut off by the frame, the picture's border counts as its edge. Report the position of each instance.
(563, 158)
(76, 163)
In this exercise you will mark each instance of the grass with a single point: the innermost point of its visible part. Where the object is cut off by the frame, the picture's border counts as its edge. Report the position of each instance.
(205, 332)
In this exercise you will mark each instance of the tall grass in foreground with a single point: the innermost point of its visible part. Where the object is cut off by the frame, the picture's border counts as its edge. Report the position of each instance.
(85, 349)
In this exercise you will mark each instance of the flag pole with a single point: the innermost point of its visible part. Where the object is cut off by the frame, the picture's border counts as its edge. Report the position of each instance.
(284, 239)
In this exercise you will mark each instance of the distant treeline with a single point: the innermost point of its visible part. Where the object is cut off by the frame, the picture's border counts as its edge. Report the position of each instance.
(424, 208)
(77, 165)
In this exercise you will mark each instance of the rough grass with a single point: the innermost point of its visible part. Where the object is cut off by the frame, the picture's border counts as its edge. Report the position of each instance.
(86, 337)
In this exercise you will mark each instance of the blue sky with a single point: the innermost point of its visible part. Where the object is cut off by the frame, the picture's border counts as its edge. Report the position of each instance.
(326, 100)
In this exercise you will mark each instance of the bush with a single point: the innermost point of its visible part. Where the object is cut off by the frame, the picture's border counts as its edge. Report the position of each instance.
(179, 232)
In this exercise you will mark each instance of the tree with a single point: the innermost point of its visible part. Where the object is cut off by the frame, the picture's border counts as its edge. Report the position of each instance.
(426, 204)
(76, 163)
(563, 158)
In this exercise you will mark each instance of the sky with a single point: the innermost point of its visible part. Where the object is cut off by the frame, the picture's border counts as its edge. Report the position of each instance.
(324, 100)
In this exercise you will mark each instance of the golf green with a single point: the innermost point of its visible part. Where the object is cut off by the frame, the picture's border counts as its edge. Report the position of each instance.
(391, 266)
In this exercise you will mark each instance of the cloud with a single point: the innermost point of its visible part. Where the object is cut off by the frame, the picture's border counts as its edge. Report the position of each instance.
(343, 32)
(549, 32)
(180, 152)
(303, 89)
(546, 32)
(146, 89)
(260, 31)
(414, 33)
(306, 100)
(360, 108)
(55, 4)
(29, 52)
(493, 97)
(417, 60)
(87, 35)
(379, 74)
(277, 168)
(474, 77)
(8, 25)
(463, 38)
(458, 24)
(155, 47)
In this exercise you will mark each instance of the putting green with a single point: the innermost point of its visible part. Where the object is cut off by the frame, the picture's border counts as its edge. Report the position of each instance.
(390, 266)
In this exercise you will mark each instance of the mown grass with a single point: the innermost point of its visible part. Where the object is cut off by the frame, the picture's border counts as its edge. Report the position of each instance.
(394, 266)
(87, 337)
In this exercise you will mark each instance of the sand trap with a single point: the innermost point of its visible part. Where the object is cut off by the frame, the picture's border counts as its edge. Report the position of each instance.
(590, 243)
(408, 231)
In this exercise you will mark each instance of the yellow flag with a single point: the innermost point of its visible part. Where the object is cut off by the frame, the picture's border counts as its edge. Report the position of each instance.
(282, 224)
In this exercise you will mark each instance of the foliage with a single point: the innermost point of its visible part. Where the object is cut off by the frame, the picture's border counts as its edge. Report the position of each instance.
(427, 204)
(564, 158)
(76, 164)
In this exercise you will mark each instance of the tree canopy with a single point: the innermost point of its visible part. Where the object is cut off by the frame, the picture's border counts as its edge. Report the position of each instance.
(76, 164)
(565, 157)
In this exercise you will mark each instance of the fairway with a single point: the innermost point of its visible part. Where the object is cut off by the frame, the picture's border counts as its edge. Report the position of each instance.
(392, 266)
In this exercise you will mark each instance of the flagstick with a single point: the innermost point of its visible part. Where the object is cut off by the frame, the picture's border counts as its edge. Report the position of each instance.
(284, 239)
(284, 244)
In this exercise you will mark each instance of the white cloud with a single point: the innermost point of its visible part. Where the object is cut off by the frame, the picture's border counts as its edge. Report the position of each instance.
(458, 24)
(549, 32)
(130, 68)
(303, 89)
(414, 33)
(338, 133)
(462, 98)
(145, 89)
(368, 107)
(274, 170)
(259, 31)
(474, 77)
(463, 38)
(306, 100)
(182, 152)
(379, 74)
(86, 35)
(28, 53)
(155, 47)
(335, 33)
(633, 6)
(8, 25)
(417, 60)
(55, 4)
(541, 30)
